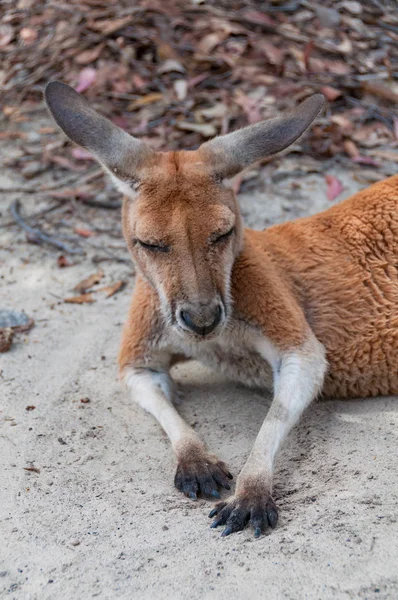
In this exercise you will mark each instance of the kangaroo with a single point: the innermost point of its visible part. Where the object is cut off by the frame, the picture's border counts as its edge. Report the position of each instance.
(302, 308)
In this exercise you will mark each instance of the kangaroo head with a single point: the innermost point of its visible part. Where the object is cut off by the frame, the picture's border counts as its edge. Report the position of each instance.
(182, 225)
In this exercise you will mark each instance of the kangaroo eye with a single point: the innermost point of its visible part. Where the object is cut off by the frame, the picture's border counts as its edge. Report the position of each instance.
(224, 236)
(153, 247)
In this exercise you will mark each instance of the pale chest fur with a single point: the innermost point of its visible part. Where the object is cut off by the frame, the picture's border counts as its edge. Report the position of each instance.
(240, 353)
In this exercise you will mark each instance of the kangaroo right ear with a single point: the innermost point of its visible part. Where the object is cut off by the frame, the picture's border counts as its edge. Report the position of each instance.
(231, 153)
(115, 149)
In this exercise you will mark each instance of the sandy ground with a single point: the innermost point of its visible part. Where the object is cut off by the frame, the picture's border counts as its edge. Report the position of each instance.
(102, 519)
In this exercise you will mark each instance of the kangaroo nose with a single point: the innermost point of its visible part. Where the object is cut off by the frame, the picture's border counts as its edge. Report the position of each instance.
(202, 325)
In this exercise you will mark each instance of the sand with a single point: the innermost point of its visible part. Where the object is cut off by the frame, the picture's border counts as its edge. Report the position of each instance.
(99, 516)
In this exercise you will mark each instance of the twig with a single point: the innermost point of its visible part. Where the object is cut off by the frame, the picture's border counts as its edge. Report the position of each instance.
(66, 181)
(36, 215)
(98, 204)
(38, 234)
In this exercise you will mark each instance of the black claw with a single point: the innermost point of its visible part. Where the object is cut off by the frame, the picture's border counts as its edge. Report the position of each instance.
(215, 524)
(213, 513)
(257, 532)
(227, 531)
(194, 478)
(228, 474)
(272, 515)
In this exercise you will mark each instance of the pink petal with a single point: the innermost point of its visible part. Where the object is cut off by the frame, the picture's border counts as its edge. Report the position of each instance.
(86, 78)
(365, 160)
(335, 187)
(82, 154)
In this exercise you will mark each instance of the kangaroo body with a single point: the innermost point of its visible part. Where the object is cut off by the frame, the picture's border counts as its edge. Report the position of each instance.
(302, 308)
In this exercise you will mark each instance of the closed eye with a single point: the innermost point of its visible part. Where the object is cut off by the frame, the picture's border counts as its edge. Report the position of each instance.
(224, 236)
(153, 247)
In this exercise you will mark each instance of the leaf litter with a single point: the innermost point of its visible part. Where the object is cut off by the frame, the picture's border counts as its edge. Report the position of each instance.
(175, 73)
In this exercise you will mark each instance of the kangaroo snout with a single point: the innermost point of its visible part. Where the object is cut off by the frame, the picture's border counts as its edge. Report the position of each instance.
(202, 319)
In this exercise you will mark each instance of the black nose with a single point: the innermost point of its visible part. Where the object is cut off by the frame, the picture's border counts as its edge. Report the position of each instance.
(202, 329)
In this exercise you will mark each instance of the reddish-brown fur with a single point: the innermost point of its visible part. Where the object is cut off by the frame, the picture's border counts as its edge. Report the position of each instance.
(336, 272)
(312, 302)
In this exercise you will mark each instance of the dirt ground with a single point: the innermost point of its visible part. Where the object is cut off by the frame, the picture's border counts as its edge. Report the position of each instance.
(99, 516)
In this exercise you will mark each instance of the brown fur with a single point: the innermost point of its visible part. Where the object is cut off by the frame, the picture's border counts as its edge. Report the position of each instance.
(335, 272)
(240, 299)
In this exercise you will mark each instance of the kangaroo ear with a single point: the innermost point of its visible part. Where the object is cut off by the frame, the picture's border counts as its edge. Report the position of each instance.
(115, 149)
(231, 153)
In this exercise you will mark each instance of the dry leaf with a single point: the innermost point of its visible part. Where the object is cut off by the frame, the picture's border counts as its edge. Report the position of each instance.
(82, 299)
(62, 261)
(385, 154)
(335, 187)
(218, 110)
(169, 66)
(6, 35)
(28, 35)
(32, 469)
(207, 130)
(109, 26)
(82, 154)
(330, 93)
(86, 78)
(89, 281)
(144, 100)
(86, 233)
(89, 56)
(210, 41)
(181, 88)
(351, 149)
(113, 288)
(6, 337)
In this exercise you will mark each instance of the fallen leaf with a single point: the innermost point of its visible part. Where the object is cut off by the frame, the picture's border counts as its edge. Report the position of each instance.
(112, 289)
(82, 154)
(82, 299)
(6, 337)
(352, 6)
(395, 128)
(330, 93)
(328, 17)
(30, 407)
(89, 281)
(85, 400)
(365, 160)
(32, 469)
(144, 100)
(86, 233)
(109, 26)
(62, 261)
(181, 88)
(71, 193)
(307, 54)
(28, 35)
(169, 66)
(335, 187)
(218, 110)
(274, 55)
(385, 154)
(206, 129)
(210, 41)
(380, 90)
(89, 56)
(351, 148)
(6, 35)
(86, 78)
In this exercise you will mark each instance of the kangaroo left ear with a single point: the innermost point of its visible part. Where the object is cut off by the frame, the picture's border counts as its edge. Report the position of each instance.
(231, 153)
(115, 149)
